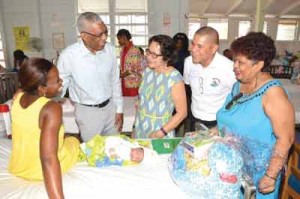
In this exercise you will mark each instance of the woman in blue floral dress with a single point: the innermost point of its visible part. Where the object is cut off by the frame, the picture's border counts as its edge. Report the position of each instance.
(161, 90)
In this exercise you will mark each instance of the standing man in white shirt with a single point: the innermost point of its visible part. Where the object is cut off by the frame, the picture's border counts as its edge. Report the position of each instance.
(90, 72)
(210, 76)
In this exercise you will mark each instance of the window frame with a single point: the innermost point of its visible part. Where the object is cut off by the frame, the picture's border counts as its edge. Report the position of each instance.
(220, 19)
(112, 13)
(193, 22)
(204, 22)
(2, 52)
(3, 62)
(288, 22)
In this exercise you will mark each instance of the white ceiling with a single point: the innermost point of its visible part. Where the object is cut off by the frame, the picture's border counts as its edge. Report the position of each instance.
(272, 8)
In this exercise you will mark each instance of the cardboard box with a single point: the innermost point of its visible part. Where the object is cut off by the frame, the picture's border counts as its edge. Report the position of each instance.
(198, 143)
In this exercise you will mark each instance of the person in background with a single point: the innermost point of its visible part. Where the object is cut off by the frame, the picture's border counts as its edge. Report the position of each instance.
(143, 61)
(227, 53)
(161, 90)
(258, 110)
(131, 64)
(19, 58)
(210, 76)
(90, 72)
(295, 63)
(39, 149)
(182, 50)
(2, 69)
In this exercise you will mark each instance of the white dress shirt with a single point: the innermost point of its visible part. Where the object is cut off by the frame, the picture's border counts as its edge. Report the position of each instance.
(91, 78)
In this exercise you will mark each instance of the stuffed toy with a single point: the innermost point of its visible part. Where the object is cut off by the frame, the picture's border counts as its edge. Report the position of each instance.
(286, 61)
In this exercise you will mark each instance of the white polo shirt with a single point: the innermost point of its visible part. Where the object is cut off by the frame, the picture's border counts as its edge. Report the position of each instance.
(210, 85)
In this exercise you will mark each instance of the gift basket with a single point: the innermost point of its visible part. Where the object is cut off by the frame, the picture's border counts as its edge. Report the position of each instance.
(212, 167)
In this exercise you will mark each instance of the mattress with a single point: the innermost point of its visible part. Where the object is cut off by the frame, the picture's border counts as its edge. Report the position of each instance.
(83, 181)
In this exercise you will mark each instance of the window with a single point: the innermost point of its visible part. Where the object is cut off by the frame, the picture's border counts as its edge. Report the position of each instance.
(2, 60)
(194, 25)
(266, 27)
(286, 30)
(137, 26)
(221, 25)
(117, 14)
(131, 6)
(244, 28)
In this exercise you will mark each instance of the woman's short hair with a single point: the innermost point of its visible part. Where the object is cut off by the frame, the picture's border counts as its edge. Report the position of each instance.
(33, 74)
(124, 32)
(255, 46)
(167, 47)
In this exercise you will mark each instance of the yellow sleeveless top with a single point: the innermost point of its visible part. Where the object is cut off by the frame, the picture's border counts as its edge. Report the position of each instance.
(25, 156)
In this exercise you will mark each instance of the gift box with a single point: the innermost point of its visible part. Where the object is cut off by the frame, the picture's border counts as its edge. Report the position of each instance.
(197, 143)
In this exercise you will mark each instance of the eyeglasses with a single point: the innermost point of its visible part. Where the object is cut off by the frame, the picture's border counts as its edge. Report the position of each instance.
(152, 54)
(97, 36)
(179, 36)
(234, 101)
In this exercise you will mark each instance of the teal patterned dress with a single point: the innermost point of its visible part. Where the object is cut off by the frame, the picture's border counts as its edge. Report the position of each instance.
(155, 101)
(247, 120)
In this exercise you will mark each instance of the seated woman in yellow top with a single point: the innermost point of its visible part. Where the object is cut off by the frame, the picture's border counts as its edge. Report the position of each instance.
(39, 150)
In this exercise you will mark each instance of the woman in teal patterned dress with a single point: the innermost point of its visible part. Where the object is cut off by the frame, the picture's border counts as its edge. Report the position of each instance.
(259, 112)
(161, 90)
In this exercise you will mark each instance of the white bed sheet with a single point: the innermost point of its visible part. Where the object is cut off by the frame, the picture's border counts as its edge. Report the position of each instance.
(82, 181)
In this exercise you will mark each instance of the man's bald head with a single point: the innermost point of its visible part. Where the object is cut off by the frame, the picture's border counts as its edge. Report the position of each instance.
(204, 45)
(210, 33)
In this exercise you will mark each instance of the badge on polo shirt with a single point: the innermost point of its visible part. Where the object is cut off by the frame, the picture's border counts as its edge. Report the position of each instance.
(215, 82)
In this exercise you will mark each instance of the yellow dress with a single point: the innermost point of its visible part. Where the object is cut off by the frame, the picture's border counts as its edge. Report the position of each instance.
(25, 156)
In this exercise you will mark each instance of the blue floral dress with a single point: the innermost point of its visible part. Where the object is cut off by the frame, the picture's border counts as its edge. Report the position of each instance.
(155, 101)
(247, 120)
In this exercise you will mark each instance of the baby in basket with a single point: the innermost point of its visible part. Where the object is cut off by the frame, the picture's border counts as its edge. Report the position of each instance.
(119, 150)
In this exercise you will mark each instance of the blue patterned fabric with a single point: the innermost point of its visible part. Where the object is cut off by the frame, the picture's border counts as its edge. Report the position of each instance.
(155, 101)
(247, 119)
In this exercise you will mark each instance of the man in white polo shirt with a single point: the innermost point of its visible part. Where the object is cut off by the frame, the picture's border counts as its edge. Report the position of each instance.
(210, 76)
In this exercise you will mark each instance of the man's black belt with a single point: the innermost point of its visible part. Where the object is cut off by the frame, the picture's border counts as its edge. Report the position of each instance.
(103, 104)
(208, 124)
